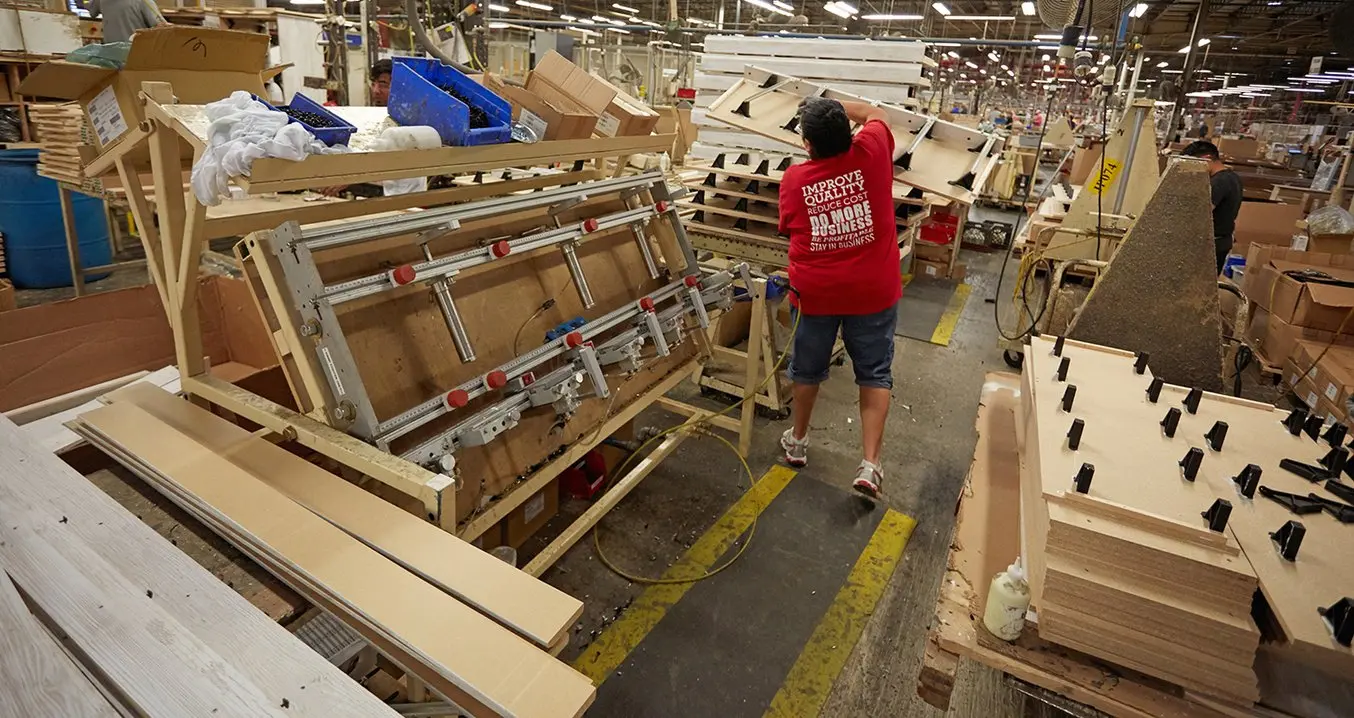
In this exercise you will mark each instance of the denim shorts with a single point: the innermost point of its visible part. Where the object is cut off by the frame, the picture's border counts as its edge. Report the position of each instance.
(868, 339)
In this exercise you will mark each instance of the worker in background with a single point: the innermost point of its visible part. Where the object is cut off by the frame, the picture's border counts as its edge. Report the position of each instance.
(837, 210)
(1227, 192)
(380, 95)
(121, 18)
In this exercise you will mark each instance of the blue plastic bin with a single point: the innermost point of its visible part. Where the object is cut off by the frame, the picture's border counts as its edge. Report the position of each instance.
(417, 98)
(337, 135)
(34, 236)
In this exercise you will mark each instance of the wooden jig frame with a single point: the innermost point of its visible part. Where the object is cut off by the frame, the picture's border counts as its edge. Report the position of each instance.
(166, 145)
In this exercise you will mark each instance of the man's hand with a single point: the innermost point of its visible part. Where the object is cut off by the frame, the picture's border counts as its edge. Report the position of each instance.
(862, 112)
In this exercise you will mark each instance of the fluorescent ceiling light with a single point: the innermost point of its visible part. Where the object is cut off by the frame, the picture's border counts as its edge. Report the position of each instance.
(941, 8)
(599, 18)
(587, 21)
(891, 17)
(1066, 79)
(1304, 89)
(835, 9)
(982, 72)
(627, 8)
(780, 4)
(1052, 36)
(1204, 93)
(1027, 8)
(1004, 67)
(498, 8)
(1048, 68)
(1138, 10)
(1256, 94)
(953, 54)
(616, 29)
(983, 18)
(993, 56)
(1046, 57)
(570, 18)
(970, 64)
(615, 22)
(945, 44)
(1203, 42)
(498, 26)
(1163, 64)
(535, 5)
(1172, 72)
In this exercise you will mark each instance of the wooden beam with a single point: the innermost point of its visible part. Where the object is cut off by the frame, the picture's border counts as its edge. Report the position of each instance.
(72, 239)
(435, 491)
(754, 358)
(145, 222)
(585, 523)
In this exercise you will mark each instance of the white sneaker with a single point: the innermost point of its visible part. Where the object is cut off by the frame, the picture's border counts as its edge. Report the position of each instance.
(869, 479)
(796, 450)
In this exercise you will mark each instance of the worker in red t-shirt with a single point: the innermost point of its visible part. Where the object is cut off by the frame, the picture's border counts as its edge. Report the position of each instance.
(837, 210)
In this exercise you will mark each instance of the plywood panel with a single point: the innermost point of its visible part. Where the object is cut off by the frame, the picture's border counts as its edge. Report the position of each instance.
(529, 607)
(839, 70)
(38, 486)
(881, 50)
(492, 670)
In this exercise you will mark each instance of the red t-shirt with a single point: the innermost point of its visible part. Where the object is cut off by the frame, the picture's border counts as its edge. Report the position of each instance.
(838, 213)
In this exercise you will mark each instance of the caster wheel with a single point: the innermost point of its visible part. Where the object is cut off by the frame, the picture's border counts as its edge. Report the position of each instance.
(1014, 359)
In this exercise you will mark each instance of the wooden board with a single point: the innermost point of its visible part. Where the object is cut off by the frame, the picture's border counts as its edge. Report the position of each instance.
(489, 670)
(72, 512)
(529, 607)
(886, 51)
(1129, 449)
(857, 71)
(39, 678)
(943, 158)
(895, 94)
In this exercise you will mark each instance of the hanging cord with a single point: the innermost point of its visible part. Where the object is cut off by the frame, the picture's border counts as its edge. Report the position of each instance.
(698, 424)
(1022, 288)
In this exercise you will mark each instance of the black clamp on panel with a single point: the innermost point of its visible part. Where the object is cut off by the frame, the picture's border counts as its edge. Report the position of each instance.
(1193, 398)
(1189, 465)
(1248, 480)
(1217, 515)
(1140, 362)
(1069, 396)
(1074, 434)
(1295, 420)
(1217, 435)
(1170, 422)
(1340, 620)
(1082, 483)
(1154, 389)
(1289, 539)
(1295, 503)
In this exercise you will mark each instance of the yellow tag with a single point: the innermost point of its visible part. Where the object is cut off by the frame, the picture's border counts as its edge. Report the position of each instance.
(1106, 177)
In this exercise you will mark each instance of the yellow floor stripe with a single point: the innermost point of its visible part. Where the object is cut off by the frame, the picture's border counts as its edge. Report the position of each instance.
(613, 646)
(945, 328)
(810, 680)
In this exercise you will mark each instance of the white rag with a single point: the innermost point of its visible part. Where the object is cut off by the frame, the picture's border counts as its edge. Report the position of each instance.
(242, 130)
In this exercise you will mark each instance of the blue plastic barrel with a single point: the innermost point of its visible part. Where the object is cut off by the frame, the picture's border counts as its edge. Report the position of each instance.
(34, 236)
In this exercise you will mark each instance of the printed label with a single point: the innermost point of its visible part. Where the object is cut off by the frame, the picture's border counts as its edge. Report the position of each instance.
(333, 371)
(1299, 243)
(1332, 391)
(1293, 380)
(1311, 399)
(608, 124)
(533, 122)
(533, 507)
(1107, 175)
(106, 116)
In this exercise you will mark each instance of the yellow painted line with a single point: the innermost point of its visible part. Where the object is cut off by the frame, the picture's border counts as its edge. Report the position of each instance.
(613, 646)
(948, 320)
(810, 680)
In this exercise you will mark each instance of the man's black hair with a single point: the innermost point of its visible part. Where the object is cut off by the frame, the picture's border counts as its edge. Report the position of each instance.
(1205, 150)
(823, 123)
(381, 67)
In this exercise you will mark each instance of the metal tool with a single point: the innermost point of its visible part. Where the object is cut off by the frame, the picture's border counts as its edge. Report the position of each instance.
(904, 160)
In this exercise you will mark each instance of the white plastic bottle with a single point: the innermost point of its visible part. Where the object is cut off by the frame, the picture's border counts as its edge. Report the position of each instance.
(1007, 601)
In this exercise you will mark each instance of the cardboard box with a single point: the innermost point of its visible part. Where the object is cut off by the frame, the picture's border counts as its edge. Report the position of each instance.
(7, 300)
(50, 349)
(1245, 148)
(1305, 304)
(565, 84)
(1323, 243)
(934, 270)
(5, 94)
(1331, 369)
(626, 116)
(959, 271)
(1308, 392)
(562, 119)
(1277, 340)
(1264, 222)
(527, 519)
(930, 252)
(491, 538)
(203, 65)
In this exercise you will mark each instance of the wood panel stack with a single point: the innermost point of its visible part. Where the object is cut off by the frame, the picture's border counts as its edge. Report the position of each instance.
(885, 71)
(64, 140)
(1145, 537)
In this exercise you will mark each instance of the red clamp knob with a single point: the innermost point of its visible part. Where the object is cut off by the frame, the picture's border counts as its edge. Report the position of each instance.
(646, 303)
(500, 249)
(573, 340)
(495, 379)
(402, 275)
(457, 398)
(691, 280)
(661, 206)
(590, 224)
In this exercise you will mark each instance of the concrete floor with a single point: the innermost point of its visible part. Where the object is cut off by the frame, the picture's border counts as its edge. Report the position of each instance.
(928, 446)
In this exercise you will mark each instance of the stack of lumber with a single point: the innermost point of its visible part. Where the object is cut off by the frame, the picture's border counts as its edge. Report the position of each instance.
(1130, 570)
(475, 630)
(885, 71)
(735, 199)
(103, 617)
(61, 135)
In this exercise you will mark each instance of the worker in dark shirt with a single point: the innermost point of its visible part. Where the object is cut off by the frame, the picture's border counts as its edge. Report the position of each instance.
(1227, 192)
